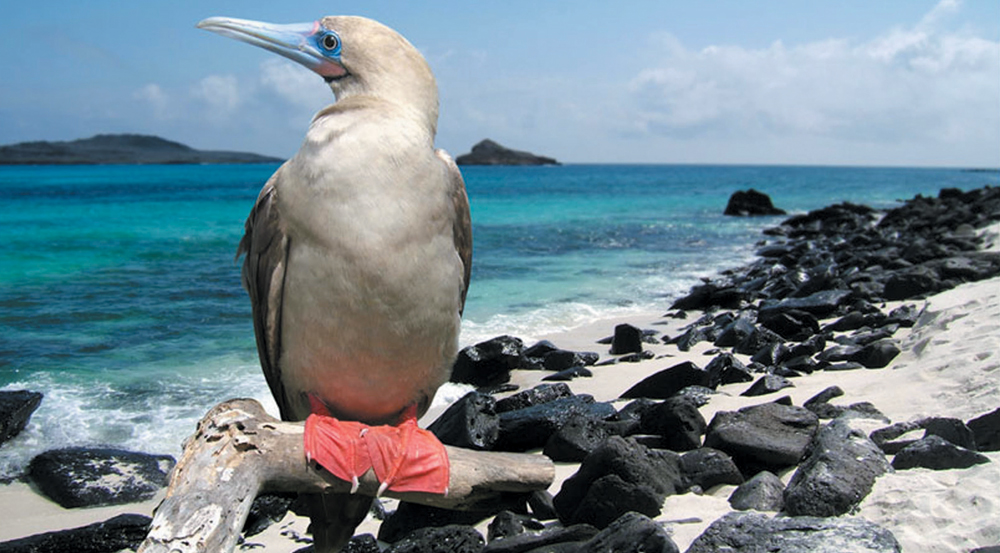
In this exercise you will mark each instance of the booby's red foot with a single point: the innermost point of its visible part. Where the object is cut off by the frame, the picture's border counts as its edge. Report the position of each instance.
(405, 458)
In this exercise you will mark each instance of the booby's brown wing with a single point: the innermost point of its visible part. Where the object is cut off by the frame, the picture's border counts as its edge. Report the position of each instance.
(266, 247)
(463, 220)
(265, 243)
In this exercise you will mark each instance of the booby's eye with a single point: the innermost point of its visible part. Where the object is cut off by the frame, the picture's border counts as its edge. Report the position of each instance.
(330, 43)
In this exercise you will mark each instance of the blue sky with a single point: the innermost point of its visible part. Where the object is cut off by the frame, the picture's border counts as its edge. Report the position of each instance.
(894, 82)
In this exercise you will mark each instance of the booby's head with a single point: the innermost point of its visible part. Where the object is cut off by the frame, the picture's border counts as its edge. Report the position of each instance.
(355, 55)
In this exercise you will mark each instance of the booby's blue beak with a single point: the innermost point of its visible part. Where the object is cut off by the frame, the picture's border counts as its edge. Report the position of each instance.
(309, 44)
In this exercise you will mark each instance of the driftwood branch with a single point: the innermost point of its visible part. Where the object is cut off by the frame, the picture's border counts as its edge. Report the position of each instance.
(239, 451)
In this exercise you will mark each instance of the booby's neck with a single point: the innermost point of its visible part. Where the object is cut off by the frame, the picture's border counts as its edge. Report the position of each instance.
(390, 70)
(347, 112)
(419, 105)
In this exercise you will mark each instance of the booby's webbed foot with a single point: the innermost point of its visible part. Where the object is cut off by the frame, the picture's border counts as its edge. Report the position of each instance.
(405, 458)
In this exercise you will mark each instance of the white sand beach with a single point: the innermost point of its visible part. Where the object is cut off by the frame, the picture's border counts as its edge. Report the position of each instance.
(950, 366)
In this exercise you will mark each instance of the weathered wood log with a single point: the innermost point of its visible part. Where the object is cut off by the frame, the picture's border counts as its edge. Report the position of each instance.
(239, 451)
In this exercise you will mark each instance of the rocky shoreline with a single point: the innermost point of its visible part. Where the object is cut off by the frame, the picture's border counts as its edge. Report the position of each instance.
(830, 295)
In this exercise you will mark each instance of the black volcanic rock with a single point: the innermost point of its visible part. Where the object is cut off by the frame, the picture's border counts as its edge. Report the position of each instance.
(677, 420)
(611, 495)
(821, 304)
(627, 339)
(767, 384)
(748, 532)
(708, 295)
(905, 316)
(792, 324)
(820, 403)
(488, 152)
(631, 533)
(453, 538)
(726, 369)
(548, 539)
(569, 374)
(543, 393)
(267, 509)
(533, 357)
(770, 436)
(540, 502)
(887, 438)
(488, 363)
(634, 411)
(470, 422)
(618, 477)
(735, 332)
(508, 524)
(986, 429)
(123, 532)
(119, 149)
(81, 477)
(544, 355)
(633, 357)
(877, 355)
(768, 354)
(668, 382)
(861, 410)
(561, 359)
(411, 518)
(795, 365)
(745, 203)
(952, 430)
(839, 353)
(16, 408)
(916, 282)
(852, 321)
(691, 336)
(936, 453)
(576, 439)
(866, 336)
(706, 468)
(841, 218)
(360, 543)
(531, 427)
(763, 492)
(837, 473)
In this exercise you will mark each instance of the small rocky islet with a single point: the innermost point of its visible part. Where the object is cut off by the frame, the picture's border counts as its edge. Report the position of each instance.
(810, 302)
(488, 152)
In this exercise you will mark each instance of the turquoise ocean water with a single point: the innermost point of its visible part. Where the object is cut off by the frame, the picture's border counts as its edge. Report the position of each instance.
(121, 301)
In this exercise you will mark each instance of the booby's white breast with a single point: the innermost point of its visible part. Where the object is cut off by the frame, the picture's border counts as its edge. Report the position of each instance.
(372, 293)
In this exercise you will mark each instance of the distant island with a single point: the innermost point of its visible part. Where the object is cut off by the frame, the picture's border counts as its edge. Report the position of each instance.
(488, 152)
(119, 149)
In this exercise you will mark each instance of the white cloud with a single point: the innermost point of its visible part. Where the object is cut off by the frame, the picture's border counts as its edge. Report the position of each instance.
(922, 83)
(939, 12)
(222, 94)
(157, 98)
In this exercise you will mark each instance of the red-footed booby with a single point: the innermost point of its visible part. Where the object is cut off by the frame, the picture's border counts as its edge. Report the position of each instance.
(358, 253)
